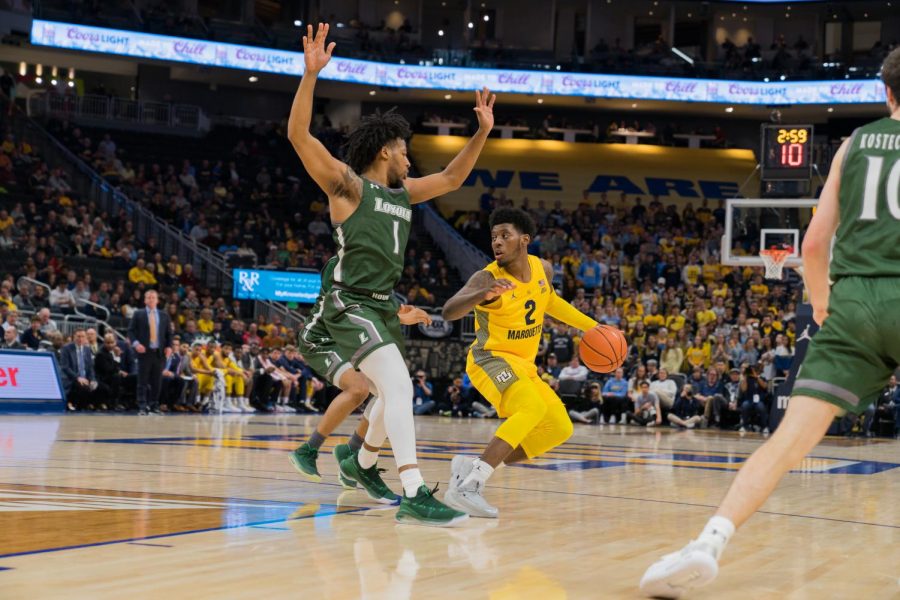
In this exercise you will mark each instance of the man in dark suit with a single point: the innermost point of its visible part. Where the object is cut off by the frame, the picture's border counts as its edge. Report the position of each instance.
(150, 334)
(77, 366)
(110, 371)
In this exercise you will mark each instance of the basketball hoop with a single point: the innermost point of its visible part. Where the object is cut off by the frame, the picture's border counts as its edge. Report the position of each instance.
(774, 259)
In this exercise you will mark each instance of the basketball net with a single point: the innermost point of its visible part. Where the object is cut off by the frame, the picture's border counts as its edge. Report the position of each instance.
(774, 259)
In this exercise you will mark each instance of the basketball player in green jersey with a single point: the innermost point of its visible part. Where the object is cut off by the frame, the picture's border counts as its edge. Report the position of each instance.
(853, 354)
(324, 356)
(369, 200)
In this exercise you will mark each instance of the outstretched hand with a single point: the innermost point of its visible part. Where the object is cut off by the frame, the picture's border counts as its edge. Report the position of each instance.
(484, 108)
(410, 315)
(315, 54)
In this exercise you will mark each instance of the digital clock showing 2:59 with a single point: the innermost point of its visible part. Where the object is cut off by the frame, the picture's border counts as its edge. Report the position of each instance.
(786, 152)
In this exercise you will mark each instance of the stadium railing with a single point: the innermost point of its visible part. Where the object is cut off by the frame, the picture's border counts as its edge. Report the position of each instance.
(103, 111)
(210, 266)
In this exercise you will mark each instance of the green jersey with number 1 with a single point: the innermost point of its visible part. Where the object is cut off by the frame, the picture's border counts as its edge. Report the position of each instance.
(372, 241)
(868, 237)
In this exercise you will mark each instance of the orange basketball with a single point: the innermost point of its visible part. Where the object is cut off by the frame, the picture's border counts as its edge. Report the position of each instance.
(603, 349)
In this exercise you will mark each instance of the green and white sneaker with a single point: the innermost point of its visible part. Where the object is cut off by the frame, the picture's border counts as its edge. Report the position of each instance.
(342, 451)
(304, 460)
(370, 479)
(425, 509)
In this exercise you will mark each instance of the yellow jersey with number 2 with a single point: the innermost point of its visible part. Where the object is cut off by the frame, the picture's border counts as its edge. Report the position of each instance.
(513, 322)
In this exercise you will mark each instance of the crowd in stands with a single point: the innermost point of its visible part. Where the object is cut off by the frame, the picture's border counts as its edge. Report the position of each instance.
(252, 200)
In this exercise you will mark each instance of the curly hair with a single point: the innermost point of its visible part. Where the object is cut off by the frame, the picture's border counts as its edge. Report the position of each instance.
(890, 72)
(372, 134)
(516, 217)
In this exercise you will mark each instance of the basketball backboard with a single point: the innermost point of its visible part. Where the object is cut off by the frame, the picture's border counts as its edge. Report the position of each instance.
(751, 225)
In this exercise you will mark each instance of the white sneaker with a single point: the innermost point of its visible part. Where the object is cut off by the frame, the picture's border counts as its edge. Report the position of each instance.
(229, 406)
(675, 574)
(309, 406)
(460, 467)
(765, 431)
(245, 406)
(742, 430)
(612, 420)
(469, 499)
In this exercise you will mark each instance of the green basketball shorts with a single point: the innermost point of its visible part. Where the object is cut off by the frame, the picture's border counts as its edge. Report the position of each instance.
(851, 358)
(320, 351)
(360, 324)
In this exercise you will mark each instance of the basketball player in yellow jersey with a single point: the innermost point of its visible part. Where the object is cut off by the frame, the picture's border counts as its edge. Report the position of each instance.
(510, 297)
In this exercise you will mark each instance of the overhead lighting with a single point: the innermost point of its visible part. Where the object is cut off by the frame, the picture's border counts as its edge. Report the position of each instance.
(471, 25)
(540, 100)
(23, 69)
(253, 79)
(558, 68)
(486, 18)
(745, 19)
(682, 55)
(690, 15)
(766, 79)
(651, 13)
(830, 109)
(339, 25)
(53, 82)
(71, 83)
(729, 109)
(371, 92)
(39, 70)
(783, 77)
(38, 80)
(634, 105)
(440, 33)
(447, 96)
(298, 23)
(54, 72)
(71, 72)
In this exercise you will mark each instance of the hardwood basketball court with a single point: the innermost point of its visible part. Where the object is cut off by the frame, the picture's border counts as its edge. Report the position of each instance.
(210, 507)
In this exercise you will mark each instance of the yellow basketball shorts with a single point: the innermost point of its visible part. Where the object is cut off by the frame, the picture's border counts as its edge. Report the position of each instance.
(205, 384)
(234, 386)
(536, 419)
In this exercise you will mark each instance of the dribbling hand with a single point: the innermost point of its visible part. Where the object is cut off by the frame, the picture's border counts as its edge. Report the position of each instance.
(315, 54)
(498, 288)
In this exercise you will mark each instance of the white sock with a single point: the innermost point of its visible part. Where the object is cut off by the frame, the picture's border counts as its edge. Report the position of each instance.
(716, 534)
(367, 458)
(481, 471)
(411, 479)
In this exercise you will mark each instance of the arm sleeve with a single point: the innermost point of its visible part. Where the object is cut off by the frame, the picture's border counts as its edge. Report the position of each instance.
(561, 310)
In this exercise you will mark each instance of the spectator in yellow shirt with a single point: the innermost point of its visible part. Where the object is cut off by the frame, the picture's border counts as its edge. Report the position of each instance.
(140, 274)
(631, 316)
(704, 314)
(675, 321)
(654, 320)
(690, 274)
(710, 273)
(698, 354)
(205, 323)
(758, 288)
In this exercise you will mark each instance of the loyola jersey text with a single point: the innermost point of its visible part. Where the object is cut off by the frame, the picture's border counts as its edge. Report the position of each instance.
(867, 242)
(512, 323)
(372, 241)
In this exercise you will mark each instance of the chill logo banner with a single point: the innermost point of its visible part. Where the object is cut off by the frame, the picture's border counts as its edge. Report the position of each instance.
(281, 286)
(552, 170)
(203, 52)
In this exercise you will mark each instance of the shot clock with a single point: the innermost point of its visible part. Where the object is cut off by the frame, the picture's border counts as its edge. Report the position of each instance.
(786, 153)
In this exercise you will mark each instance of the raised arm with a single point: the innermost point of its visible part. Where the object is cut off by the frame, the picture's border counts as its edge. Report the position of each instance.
(335, 178)
(480, 289)
(454, 174)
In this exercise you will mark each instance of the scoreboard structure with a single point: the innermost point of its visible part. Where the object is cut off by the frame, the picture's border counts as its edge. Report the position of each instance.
(786, 152)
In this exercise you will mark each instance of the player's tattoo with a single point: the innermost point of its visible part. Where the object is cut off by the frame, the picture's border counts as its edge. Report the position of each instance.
(349, 186)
